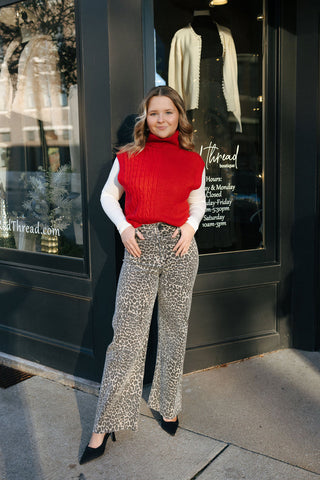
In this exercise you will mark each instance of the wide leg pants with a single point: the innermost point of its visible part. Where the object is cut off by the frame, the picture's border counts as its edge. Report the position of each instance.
(157, 272)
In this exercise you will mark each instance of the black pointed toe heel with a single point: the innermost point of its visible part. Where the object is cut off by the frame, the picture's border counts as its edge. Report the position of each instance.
(170, 427)
(93, 453)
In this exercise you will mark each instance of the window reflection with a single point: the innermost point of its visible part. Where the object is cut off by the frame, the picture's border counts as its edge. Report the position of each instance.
(40, 188)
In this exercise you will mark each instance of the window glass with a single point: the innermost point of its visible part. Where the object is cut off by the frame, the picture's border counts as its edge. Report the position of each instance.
(40, 188)
(212, 55)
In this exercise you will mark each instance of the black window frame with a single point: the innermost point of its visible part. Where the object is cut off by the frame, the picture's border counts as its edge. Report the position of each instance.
(269, 253)
(60, 263)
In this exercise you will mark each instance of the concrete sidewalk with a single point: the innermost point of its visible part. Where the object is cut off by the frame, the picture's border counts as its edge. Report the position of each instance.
(258, 419)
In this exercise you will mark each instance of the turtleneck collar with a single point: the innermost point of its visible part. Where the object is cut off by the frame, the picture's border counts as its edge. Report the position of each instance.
(173, 139)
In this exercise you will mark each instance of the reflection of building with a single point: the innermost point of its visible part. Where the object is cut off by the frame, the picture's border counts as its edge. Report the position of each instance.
(26, 131)
(57, 310)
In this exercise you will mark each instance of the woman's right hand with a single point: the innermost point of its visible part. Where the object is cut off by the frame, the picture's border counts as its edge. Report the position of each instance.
(128, 237)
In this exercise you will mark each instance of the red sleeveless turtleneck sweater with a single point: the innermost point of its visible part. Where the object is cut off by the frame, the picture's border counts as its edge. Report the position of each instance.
(158, 180)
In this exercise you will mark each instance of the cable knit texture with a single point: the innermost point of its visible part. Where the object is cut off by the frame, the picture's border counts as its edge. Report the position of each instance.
(158, 181)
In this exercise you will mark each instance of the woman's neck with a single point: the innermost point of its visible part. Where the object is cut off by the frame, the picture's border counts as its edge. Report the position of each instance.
(201, 13)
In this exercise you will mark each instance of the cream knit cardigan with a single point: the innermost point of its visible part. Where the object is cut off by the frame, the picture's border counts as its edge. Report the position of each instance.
(184, 69)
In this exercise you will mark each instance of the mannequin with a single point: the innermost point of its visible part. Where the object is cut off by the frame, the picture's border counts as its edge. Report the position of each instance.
(215, 115)
(202, 24)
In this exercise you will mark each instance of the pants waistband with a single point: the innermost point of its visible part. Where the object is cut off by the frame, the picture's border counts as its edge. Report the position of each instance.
(160, 226)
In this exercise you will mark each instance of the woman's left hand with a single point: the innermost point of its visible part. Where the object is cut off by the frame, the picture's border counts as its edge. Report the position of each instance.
(187, 234)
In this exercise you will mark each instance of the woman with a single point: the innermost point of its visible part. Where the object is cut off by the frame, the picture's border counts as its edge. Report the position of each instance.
(165, 200)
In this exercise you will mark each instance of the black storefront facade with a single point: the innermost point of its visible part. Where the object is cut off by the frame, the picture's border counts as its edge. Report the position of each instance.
(257, 286)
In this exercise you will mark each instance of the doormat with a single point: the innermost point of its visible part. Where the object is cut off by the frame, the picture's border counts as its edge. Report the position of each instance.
(10, 376)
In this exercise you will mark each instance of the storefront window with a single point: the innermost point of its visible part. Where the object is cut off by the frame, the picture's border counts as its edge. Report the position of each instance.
(212, 55)
(40, 188)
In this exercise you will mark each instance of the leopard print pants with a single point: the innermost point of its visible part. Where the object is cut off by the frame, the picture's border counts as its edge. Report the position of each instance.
(157, 272)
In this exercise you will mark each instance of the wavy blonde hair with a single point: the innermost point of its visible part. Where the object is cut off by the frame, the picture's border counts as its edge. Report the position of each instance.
(141, 131)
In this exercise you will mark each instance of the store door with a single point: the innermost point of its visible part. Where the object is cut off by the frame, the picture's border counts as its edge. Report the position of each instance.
(307, 236)
(241, 305)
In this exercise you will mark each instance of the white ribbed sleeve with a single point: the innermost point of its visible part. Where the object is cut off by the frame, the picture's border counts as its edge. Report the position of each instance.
(197, 203)
(110, 196)
(113, 191)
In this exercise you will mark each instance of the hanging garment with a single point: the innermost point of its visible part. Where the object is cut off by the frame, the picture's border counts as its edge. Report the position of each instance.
(184, 69)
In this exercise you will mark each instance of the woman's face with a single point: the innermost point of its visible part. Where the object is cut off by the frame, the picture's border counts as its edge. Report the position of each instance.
(162, 116)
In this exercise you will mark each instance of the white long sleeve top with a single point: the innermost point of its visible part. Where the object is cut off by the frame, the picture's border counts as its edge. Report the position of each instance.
(184, 69)
(113, 191)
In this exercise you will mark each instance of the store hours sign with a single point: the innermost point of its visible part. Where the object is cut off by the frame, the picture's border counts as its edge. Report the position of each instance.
(217, 229)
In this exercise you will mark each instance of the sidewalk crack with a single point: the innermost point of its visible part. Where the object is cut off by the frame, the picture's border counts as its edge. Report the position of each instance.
(209, 463)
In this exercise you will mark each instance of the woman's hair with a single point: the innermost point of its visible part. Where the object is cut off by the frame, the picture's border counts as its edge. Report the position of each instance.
(141, 131)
